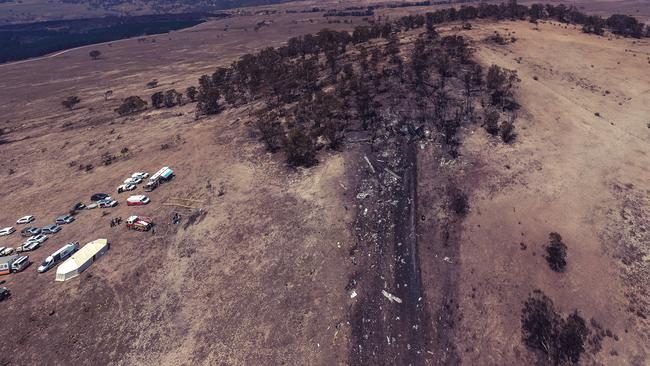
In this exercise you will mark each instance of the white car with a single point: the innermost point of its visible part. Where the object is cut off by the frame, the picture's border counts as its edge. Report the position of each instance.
(126, 187)
(7, 231)
(40, 238)
(140, 175)
(29, 246)
(5, 251)
(133, 180)
(107, 203)
(25, 220)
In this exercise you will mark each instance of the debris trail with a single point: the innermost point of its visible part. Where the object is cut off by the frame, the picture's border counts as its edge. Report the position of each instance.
(389, 321)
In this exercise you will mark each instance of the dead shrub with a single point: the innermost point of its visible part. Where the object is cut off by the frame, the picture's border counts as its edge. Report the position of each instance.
(560, 339)
(556, 252)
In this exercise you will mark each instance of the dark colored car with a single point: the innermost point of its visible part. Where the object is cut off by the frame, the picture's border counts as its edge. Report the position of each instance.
(4, 293)
(30, 231)
(78, 206)
(98, 197)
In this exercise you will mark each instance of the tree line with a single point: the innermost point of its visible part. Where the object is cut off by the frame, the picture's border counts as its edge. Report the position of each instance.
(319, 86)
(288, 72)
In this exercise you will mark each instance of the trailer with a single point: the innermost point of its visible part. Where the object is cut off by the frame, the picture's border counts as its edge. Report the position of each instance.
(82, 259)
(139, 223)
(163, 175)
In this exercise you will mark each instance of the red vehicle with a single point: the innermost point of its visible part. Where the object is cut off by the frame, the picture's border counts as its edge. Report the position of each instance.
(139, 223)
(137, 200)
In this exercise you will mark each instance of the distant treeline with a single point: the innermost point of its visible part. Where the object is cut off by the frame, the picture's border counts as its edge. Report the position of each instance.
(620, 24)
(361, 12)
(243, 82)
(21, 41)
(171, 5)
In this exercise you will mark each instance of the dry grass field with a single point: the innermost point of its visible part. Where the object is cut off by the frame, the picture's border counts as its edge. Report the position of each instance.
(572, 172)
(256, 272)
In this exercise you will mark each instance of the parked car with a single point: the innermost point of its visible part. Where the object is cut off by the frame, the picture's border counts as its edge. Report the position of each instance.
(37, 238)
(78, 206)
(25, 220)
(29, 246)
(61, 254)
(91, 206)
(133, 181)
(140, 175)
(137, 200)
(65, 219)
(7, 231)
(30, 231)
(50, 229)
(107, 203)
(5, 251)
(126, 187)
(20, 264)
(4, 293)
(99, 196)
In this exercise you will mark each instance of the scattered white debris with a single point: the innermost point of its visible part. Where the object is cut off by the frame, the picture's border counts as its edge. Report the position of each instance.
(372, 168)
(391, 297)
(392, 173)
(362, 195)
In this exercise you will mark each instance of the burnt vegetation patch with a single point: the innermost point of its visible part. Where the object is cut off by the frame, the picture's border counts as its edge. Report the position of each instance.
(556, 252)
(321, 88)
(561, 340)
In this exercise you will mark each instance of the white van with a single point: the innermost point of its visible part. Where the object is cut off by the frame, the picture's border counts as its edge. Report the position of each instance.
(21, 263)
(61, 254)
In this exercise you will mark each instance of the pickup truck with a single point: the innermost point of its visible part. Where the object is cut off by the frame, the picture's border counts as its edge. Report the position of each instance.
(133, 180)
(107, 203)
(126, 187)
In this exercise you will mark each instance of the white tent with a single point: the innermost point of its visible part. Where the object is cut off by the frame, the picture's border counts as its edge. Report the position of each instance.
(82, 259)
